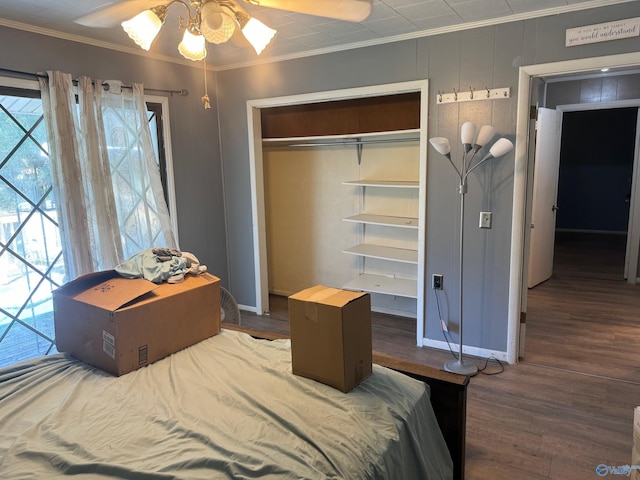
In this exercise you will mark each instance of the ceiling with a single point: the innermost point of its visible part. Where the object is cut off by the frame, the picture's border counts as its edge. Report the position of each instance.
(298, 34)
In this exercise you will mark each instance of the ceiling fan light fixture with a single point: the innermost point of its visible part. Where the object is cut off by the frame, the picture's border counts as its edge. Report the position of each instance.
(144, 27)
(192, 46)
(221, 31)
(256, 32)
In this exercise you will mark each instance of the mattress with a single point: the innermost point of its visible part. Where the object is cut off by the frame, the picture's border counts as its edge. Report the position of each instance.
(227, 407)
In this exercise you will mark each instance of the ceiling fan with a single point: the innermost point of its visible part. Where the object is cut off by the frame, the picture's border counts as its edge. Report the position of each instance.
(214, 21)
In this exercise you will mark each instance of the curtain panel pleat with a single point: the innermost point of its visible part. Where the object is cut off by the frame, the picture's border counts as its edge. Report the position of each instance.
(106, 179)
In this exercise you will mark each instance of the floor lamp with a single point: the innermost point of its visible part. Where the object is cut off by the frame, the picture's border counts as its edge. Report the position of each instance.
(472, 144)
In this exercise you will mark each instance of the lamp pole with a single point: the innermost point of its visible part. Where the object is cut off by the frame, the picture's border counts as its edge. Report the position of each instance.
(459, 366)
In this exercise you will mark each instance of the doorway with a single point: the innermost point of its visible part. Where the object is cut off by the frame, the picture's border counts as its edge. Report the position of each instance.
(585, 312)
(517, 282)
(596, 182)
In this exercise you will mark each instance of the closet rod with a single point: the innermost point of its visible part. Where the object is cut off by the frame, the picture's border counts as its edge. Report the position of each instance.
(35, 76)
(348, 143)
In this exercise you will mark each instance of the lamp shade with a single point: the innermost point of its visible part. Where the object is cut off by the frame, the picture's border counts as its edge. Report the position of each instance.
(216, 26)
(467, 134)
(501, 147)
(192, 46)
(485, 134)
(144, 27)
(258, 34)
(441, 144)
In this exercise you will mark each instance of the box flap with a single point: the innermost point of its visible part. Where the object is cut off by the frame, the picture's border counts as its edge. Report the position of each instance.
(309, 293)
(327, 295)
(112, 293)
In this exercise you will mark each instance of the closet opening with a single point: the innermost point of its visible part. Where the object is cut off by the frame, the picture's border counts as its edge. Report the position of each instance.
(339, 193)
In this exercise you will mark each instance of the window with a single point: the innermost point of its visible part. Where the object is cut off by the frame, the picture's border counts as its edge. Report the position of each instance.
(31, 261)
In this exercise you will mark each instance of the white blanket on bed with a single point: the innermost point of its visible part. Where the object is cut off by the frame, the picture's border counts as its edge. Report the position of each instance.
(228, 407)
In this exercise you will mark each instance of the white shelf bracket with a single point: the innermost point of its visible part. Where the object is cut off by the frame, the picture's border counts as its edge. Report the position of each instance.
(473, 95)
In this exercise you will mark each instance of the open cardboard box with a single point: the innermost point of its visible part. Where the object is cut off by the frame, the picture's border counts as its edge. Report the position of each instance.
(119, 324)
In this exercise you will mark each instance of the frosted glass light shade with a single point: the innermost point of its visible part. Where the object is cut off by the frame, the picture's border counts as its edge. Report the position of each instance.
(467, 133)
(144, 27)
(501, 147)
(485, 134)
(258, 34)
(192, 46)
(441, 144)
(216, 26)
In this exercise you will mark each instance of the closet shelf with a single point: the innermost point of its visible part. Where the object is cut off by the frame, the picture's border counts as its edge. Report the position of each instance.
(402, 255)
(385, 220)
(400, 287)
(383, 183)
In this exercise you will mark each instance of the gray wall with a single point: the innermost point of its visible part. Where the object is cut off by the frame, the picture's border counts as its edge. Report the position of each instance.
(479, 58)
(196, 150)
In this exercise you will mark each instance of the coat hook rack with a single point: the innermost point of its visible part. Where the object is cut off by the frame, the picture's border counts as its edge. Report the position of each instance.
(491, 94)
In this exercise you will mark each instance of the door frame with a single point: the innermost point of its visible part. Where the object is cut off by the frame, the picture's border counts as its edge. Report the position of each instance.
(254, 128)
(519, 232)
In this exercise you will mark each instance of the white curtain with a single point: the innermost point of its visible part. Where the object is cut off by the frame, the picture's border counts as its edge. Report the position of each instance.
(106, 179)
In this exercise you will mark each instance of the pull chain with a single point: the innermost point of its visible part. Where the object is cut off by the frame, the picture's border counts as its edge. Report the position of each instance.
(206, 102)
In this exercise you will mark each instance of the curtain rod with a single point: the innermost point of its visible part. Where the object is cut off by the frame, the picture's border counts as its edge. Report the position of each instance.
(182, 93)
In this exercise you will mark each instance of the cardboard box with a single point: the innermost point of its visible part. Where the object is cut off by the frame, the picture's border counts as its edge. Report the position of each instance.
(331, 336)
(120, 325)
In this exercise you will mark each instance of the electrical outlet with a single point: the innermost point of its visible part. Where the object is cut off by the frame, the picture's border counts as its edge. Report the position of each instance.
(437, 281)
(485, 219)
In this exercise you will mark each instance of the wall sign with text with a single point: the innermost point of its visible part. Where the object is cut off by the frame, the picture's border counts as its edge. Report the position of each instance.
(603, 32)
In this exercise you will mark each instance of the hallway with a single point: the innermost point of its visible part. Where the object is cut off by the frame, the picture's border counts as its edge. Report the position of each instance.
(585, 318)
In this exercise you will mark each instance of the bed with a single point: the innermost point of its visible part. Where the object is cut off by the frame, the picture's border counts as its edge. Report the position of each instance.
(228, 407)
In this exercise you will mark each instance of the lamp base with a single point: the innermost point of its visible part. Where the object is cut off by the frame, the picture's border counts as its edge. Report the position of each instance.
(461, 367)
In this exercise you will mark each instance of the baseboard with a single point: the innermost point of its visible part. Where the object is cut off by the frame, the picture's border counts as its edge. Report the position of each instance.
(466, 350)
(397, 313)
(281, 293)
(247, 308)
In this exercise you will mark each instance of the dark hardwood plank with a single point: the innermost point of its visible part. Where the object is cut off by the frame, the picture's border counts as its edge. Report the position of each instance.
(585, 317)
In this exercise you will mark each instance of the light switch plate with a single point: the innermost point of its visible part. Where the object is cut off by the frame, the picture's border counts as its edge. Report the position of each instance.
(485, 219)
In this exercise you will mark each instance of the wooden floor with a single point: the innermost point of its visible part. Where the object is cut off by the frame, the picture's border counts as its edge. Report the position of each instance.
(586, 317)
(557, 414)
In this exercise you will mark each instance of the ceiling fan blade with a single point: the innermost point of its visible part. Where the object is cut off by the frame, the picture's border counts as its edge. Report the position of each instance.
(350, 10)
(117, 13)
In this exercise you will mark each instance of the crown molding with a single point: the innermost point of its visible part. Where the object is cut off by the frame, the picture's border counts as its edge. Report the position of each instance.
(428, 33)
(321, 51)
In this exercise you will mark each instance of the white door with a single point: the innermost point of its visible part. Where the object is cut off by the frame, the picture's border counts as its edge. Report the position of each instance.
(545, 194)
